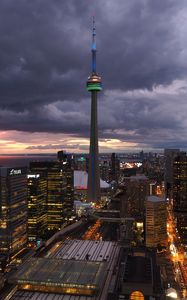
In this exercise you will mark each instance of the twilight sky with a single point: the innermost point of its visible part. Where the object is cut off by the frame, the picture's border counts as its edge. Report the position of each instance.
(45, 60)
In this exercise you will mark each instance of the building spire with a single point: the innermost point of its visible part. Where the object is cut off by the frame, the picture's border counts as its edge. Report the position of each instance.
(93, 47)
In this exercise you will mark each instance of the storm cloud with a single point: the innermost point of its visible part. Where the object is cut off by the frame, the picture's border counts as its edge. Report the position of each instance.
(142, 58)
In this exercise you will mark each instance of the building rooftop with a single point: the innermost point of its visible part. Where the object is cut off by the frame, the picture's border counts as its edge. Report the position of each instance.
(141, 272)
(138, 177)
(155, 199)
(138, 269)
(23, 295)
(86, 277)
(86, 250)
(81, 181)
(77, 270)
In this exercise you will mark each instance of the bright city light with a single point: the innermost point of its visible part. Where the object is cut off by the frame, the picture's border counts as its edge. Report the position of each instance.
(172, 293)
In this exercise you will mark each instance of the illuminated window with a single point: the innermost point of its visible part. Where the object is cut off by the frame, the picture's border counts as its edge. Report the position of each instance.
(137, 295)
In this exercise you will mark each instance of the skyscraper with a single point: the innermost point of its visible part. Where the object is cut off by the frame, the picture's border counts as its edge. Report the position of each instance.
(37, 204)
(115, 168)
(93, 86)
(60, 192)
(156, 220)
(180, 194)
(136, 190)
(170, 155)
(13, 210)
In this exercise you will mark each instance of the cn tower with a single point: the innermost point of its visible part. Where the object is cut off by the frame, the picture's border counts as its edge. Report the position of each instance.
(94, 86)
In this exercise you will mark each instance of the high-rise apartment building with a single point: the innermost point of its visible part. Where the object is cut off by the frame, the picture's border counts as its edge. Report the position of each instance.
(180, 194)
(37, 207)
(13, 210)
(156, 220)
(60, 190)
(133, 199)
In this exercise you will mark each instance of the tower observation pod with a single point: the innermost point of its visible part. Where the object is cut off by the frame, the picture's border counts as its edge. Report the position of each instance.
(93, 86)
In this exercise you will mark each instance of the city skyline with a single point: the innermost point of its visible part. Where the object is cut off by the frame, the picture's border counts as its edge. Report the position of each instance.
(45, 59)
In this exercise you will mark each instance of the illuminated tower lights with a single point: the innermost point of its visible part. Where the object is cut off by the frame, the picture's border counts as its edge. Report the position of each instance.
(94, 86)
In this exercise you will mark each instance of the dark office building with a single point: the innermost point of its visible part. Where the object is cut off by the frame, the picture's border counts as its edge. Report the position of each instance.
(60, 155)
(13, 210)
(60, 190)
(105, 170)
(115, 168)
(127, 172)
(180, 194)
(169, 155)
(37, 207)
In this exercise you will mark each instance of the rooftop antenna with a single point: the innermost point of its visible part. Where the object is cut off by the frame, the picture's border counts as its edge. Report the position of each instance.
(93, 47)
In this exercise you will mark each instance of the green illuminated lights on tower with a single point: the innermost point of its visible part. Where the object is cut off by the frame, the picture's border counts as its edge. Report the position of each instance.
(94, 87)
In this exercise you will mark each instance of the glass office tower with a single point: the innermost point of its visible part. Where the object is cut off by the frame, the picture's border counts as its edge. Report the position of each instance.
(13, 210)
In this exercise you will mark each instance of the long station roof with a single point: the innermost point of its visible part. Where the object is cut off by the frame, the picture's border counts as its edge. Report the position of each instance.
(77, 270)
(27, 295)
(61, 273)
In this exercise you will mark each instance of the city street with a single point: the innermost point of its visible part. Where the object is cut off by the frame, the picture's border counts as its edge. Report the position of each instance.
(176, 253)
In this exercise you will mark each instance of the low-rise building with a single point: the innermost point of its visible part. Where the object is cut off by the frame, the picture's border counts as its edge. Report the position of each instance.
(140, 276)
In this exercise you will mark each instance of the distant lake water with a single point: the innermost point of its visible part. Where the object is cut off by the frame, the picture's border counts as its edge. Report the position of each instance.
(23, 160)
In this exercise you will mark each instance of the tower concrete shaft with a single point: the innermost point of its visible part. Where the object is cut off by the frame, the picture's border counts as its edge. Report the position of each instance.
(93, 170)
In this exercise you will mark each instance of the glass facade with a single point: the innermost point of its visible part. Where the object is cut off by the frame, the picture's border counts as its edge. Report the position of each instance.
(60, 190)
(37, 205)
(13, 210)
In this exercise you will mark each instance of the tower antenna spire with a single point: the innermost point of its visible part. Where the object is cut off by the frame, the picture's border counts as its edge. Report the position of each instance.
(93, 47)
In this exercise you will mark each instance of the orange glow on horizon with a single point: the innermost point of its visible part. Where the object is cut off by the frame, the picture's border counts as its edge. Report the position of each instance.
(17, 142)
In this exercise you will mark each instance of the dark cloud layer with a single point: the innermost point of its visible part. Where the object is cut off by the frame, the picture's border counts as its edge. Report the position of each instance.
(45, 60)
